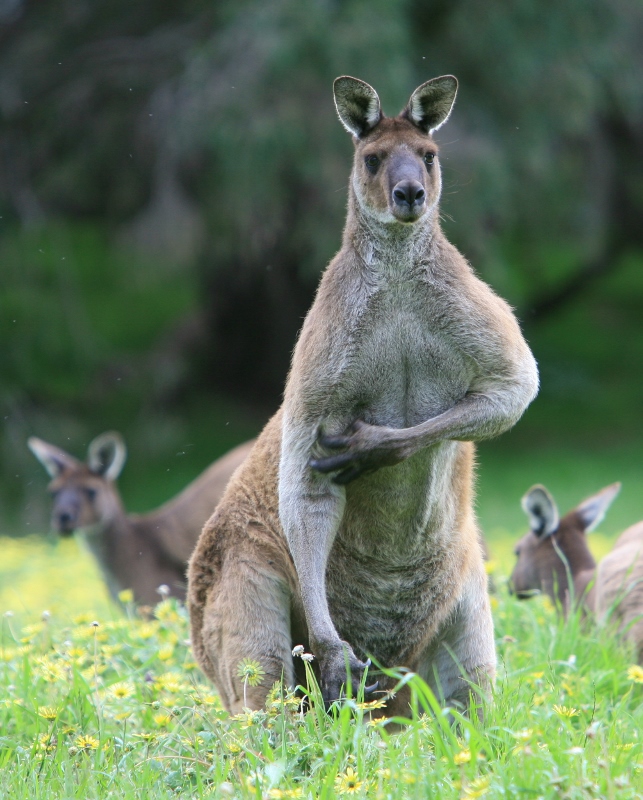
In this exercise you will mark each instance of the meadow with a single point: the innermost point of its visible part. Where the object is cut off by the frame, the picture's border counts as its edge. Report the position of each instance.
(96, 702)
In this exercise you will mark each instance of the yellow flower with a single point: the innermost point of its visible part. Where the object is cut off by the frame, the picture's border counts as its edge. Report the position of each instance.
(162, 719)
(46, 743)
(279, 793)
(121, 690)
(147, 629)
(166, 652)
(251, 671)
(170, 682)
(463, 757)
(348, 782)
(565, 711)
(48, 712)
(126, 596)
(635, 673)
(371, 704)
(87, 743)
(477, 787)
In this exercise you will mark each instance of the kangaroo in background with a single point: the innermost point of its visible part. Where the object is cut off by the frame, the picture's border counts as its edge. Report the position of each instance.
(555, 550)
(137, 552)
(350, 527)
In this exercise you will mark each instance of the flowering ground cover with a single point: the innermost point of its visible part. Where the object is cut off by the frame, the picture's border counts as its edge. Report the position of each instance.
(103, 703)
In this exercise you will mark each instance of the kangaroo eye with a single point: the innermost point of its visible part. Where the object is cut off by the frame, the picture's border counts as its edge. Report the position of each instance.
(372, 162)
(428, 158)
(90, 494)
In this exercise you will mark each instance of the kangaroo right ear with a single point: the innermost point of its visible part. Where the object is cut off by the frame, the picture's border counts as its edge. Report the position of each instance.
(592, 510)
(541, 509)
(357, 104)
(53, 459)
(106, 455)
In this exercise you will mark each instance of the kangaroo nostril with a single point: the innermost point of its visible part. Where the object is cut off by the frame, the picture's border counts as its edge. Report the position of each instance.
(399, 195)
(419, 195)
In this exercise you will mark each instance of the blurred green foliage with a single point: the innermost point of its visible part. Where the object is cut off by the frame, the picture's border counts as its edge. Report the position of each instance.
(173, 180)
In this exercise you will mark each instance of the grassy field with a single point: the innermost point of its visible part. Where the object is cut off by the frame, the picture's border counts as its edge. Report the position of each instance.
(95, 703)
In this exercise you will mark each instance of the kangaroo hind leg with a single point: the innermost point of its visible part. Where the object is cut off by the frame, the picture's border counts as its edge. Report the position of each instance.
(246, 621)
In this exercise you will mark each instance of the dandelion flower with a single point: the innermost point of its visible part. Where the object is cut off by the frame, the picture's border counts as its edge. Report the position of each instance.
(635, 673)
(250, 671)
(162, 719)
(48, 712)
(122, 690)
(87, 743)
(126, 596)
(348, 782)
(463, 757)
(565, 711)
(477, 787)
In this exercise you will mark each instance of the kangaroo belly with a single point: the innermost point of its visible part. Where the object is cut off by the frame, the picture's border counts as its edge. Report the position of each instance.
(396, 566)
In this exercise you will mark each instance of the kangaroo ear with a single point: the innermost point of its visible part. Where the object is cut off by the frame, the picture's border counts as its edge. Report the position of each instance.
(541, 509)
(430, 104)
(53, 459)
(592, 510)
(357, 104)
(106, 455)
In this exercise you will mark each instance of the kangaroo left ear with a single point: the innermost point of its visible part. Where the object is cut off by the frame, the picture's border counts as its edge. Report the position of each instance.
(431, 103)
(106, 455)
(357, 104)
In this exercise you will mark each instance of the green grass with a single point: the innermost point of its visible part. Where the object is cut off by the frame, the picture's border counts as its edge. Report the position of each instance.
(121, 710)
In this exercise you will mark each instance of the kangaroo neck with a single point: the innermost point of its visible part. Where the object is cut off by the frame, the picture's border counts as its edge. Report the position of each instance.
(113, 545)
(389, 248)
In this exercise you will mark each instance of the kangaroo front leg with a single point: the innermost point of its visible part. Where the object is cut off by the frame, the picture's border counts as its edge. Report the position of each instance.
(311, 509)
(367, 448)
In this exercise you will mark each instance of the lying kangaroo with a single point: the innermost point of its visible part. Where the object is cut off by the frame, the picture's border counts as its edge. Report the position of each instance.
(138, 552)
(553, 551)
(350, 528)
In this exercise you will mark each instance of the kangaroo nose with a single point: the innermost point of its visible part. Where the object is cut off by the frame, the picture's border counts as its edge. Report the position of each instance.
(64, 520)
(408, 193)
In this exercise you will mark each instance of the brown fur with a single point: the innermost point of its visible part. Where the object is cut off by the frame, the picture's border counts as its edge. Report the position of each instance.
(613, 590)
(134, 551)
(350, 528)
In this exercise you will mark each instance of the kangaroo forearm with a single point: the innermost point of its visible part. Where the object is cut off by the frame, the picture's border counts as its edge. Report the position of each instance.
(310, 513)
(474, 418)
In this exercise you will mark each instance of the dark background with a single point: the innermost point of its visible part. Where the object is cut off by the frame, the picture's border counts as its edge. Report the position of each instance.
(173, 180)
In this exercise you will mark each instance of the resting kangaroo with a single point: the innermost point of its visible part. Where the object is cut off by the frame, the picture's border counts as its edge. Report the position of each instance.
(350, 528)
(612, 589)
(137, 552)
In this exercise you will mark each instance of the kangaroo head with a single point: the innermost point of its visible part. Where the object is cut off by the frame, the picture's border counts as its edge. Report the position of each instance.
(84, 495)
(396, 173)
(553, 546)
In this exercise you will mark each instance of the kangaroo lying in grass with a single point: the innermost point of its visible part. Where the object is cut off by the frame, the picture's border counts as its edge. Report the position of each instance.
(350, 527)
(556, 550)
(134, 551)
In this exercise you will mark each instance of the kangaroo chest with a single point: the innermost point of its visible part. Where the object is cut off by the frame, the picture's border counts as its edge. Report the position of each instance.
(405, 368)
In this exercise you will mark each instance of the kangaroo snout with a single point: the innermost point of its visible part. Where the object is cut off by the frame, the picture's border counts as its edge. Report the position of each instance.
(64, 521)
(408, 194)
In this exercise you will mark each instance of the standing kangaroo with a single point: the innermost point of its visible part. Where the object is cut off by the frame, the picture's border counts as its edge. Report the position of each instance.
(137, 552)
(556, 550)
(350, 528)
